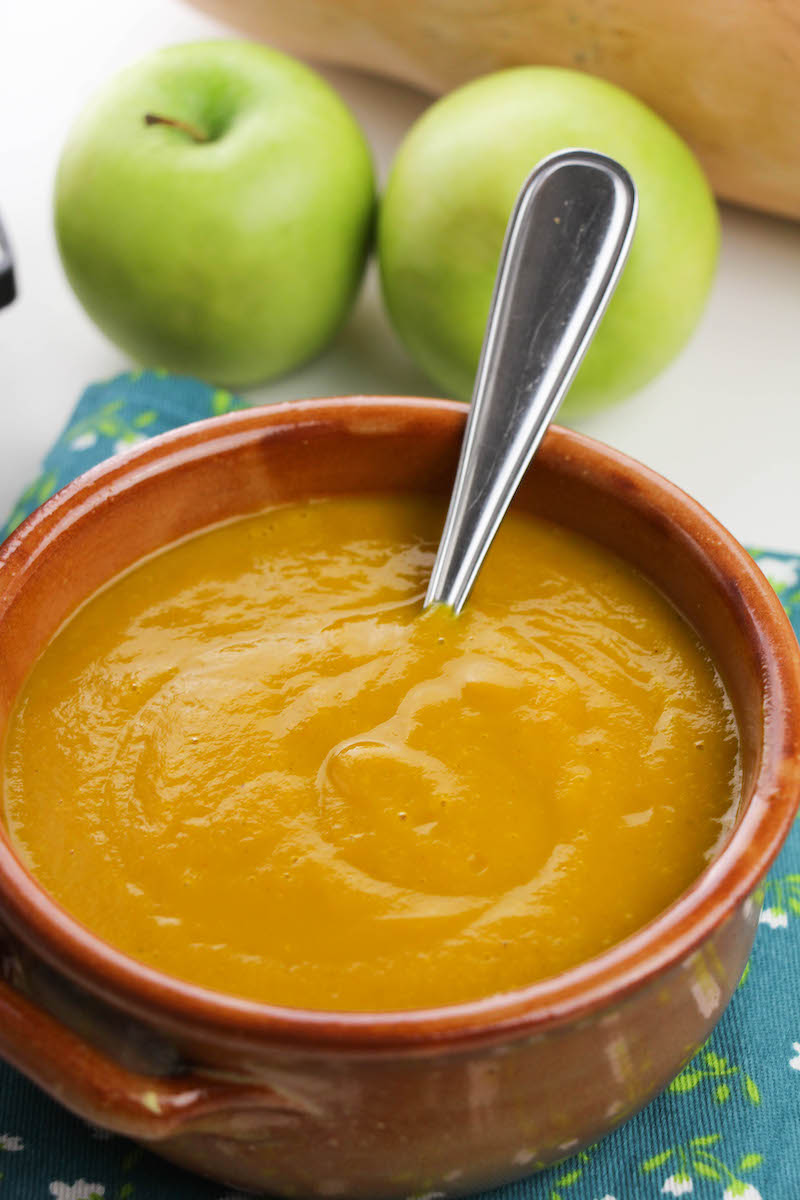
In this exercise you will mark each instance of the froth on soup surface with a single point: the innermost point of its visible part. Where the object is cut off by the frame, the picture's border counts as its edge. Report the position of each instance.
(254, 763)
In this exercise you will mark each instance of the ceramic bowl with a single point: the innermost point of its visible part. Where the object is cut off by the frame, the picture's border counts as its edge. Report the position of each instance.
(448, 1100)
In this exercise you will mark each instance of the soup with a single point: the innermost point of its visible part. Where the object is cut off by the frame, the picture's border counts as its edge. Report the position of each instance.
(254, 763)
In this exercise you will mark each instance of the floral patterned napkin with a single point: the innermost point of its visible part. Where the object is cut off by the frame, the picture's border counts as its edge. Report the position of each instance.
(728, 1128)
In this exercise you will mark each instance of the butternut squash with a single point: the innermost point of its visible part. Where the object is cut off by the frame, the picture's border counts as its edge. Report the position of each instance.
(724, 73)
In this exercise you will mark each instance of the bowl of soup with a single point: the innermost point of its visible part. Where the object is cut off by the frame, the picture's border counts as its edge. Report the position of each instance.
(320, 894)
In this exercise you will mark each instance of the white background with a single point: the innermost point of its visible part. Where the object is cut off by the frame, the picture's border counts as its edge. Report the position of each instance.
(723, 421)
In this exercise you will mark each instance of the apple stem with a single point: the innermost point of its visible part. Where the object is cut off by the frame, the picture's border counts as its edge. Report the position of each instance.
(184, 126)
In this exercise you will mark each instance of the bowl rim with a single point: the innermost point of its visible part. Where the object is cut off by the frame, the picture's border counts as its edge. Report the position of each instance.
(727, 883)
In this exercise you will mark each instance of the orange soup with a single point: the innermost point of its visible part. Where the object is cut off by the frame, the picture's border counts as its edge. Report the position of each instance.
(254, 763)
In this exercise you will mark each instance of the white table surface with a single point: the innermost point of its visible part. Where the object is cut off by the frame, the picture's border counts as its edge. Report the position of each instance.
(723, 420)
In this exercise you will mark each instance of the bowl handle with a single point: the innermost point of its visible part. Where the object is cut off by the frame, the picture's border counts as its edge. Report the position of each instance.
(93, 1086)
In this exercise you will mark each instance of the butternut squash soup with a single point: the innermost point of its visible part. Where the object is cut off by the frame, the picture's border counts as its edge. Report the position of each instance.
(254, 763)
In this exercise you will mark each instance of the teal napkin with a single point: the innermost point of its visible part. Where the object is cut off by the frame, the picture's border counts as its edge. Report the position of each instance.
(728, 1128)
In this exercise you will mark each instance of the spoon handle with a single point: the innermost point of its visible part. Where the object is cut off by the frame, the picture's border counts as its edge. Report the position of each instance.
(564, 250)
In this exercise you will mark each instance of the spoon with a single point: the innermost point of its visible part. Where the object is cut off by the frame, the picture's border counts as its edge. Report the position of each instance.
(564, 250)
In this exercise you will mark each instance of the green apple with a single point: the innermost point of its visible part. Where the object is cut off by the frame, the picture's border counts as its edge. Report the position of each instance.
(450, 193)
(214, 208)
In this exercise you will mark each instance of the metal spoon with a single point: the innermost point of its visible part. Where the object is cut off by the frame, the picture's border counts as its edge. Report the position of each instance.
(564, 251)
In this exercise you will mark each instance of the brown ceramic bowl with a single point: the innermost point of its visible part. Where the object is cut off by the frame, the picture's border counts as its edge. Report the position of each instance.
(387, 1104)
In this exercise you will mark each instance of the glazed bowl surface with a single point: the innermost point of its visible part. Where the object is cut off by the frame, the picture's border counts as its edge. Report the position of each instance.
(454, 1099)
